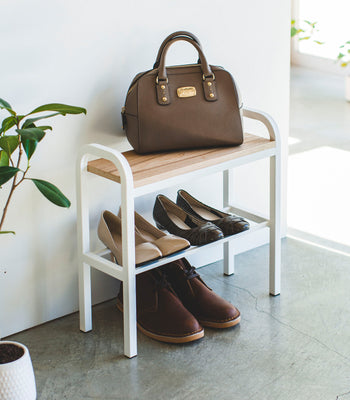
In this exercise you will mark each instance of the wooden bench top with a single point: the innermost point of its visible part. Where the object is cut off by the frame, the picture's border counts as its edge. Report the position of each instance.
(150, 168)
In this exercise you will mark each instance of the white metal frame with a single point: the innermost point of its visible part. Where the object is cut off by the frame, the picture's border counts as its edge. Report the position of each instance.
(127, 272)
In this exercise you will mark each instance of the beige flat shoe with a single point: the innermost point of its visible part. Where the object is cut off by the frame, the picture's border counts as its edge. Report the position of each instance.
(168, 244)
(110, 233)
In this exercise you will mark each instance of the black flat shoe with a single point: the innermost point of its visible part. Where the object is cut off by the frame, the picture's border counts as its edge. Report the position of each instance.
(175, 220)
(229, 224)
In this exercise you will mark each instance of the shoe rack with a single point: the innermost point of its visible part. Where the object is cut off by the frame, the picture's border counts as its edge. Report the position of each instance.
(142, 174)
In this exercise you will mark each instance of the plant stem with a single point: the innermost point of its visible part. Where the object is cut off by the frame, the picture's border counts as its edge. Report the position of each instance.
(8, 201)
(14, 185)
(23, 177)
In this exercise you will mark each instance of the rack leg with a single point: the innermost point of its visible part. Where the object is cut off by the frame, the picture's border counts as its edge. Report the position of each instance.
(275, 223)
(85, 297)
(229, 259)
(129, 279)
(229, 255)
(129, 308)
(83, 229)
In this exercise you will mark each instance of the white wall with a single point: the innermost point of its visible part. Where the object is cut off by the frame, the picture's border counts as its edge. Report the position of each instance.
(86, 53)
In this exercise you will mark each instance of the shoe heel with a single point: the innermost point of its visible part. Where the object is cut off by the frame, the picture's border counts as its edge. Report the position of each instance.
(114, 259)
(159, 226)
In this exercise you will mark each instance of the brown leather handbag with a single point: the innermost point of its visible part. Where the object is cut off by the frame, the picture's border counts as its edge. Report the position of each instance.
(183, 106)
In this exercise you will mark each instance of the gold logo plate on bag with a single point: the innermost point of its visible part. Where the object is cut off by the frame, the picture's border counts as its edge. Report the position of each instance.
(186, 91)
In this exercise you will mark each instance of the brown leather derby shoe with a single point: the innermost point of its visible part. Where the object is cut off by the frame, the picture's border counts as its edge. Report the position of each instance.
(160, 313)
(210, 309)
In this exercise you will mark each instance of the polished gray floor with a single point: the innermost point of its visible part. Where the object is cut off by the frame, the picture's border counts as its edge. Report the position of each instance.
(291, 347)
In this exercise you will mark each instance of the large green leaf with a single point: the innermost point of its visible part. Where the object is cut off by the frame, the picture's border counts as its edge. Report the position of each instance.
(29, 123)
(7, 123)
(30, 138)
(45, 127)
(4, 104)
(61, 108)
(4, 158)
(9, 144)
(31, 134)
(6, 173)
(29, 147)
(52, 193)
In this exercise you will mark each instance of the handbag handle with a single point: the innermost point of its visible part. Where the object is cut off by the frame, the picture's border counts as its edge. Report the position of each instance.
(209, 86)
(162, 75)
(170, 38)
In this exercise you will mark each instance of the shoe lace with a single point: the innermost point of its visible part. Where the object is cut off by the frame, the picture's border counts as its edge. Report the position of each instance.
(191, 273)
(161, 281)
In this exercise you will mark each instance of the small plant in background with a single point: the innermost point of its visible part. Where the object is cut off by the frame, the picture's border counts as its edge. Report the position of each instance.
(24, 138)
(344, 55)
(305, 30)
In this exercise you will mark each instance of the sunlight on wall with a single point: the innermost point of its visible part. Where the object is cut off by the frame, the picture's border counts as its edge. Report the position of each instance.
(293, 140)
(319, 193)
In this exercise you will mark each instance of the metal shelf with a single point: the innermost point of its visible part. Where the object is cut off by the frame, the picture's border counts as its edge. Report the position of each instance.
(141, 174)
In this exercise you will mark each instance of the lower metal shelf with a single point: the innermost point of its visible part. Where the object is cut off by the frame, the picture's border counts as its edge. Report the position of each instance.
(97, 259)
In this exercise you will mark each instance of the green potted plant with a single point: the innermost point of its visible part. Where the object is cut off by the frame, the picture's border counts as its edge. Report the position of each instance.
(20, 135)
(343, 60)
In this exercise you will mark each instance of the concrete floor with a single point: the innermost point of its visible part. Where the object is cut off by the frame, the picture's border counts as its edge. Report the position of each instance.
(291, 347)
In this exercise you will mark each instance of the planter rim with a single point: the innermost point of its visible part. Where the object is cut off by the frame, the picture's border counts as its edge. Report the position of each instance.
(22, 346)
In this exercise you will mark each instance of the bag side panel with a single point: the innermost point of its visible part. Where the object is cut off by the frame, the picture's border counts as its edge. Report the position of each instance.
(228, 82)
(131, 115)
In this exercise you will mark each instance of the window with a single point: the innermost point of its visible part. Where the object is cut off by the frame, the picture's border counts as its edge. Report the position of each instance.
(332, 28)
(333, 24)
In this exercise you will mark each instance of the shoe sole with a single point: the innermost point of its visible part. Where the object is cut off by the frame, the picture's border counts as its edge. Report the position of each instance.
(167, 339)
(146, 262)
(221, 325)
(114, 259)
(176, 251)
(246, 228)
